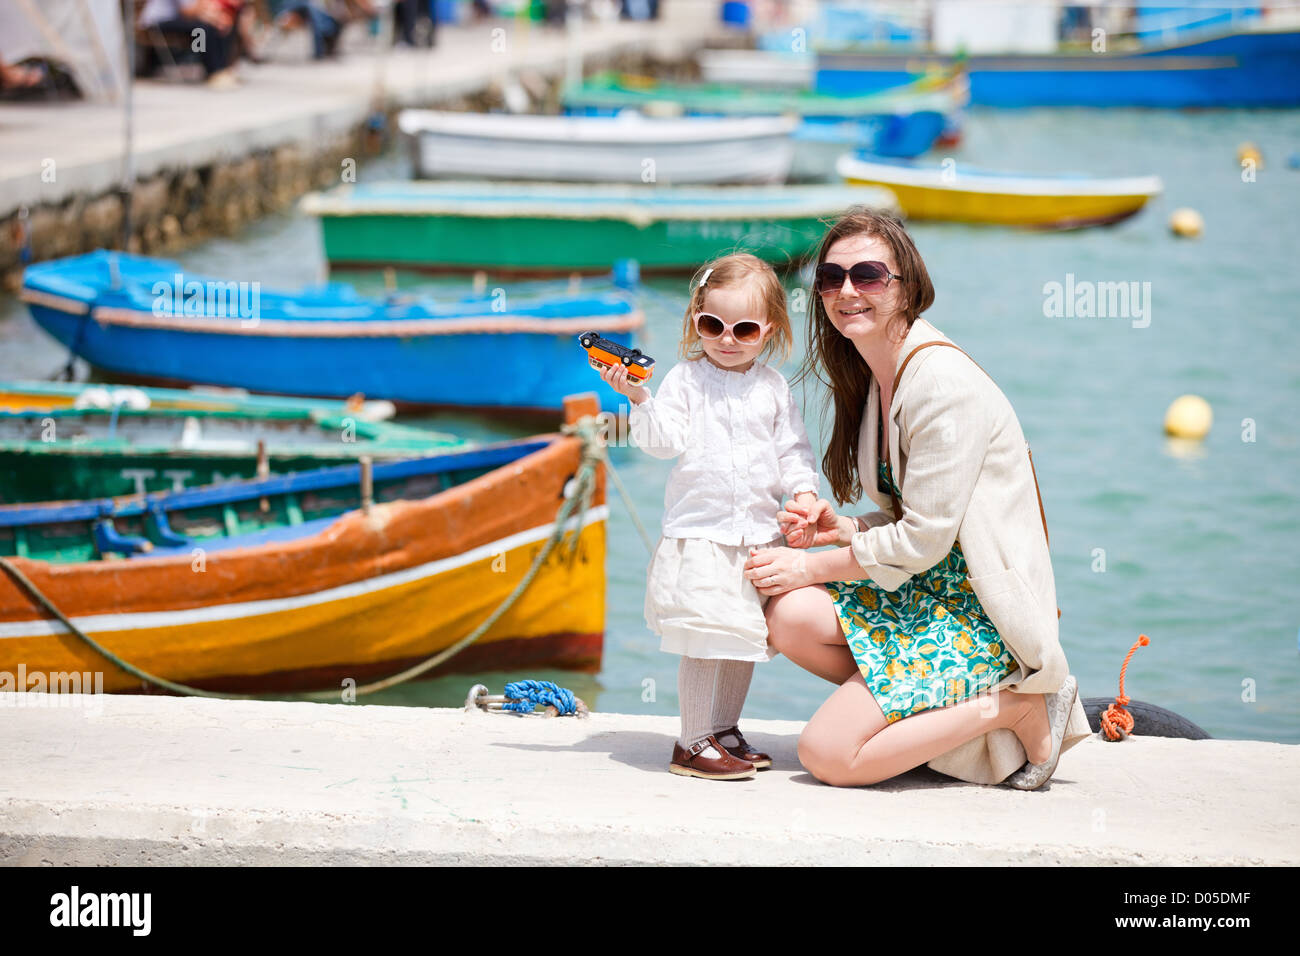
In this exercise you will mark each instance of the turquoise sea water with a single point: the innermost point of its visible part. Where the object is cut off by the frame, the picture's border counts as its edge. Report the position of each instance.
(1201, 547)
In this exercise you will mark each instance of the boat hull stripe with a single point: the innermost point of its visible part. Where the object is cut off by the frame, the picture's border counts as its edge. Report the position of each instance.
(104, 623)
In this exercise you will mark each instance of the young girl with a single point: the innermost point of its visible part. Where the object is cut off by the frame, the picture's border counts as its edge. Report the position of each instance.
(731, 422)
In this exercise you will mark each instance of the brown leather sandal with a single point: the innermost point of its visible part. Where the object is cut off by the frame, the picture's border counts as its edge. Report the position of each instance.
(689, 762)
(743, 750)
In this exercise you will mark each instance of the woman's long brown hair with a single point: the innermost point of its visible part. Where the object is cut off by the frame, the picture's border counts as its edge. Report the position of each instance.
(846, 372)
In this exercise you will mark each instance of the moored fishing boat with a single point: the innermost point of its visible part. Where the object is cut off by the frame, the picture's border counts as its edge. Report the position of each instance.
(301, 581)
(627, 148)
(903, 121)
(144, 318)
(963, 194)
(1249, 64)
(818, 144)
(764, 69)
(606, 93)
(542, 228)
(94, 452)
(41, 395)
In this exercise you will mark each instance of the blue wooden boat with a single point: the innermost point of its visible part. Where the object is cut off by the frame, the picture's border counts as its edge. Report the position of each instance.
(820, 142)
(1244, 67)
(149, 319)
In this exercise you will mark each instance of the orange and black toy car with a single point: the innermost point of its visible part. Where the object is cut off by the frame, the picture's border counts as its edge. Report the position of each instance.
(602, 354)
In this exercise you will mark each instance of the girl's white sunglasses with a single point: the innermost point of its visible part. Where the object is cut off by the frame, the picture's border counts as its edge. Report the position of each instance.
(746, 331)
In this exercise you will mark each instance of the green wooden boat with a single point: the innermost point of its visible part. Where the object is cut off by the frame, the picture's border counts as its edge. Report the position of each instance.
(38, 396)
(610, 91)
(540, 228)
(70, 453)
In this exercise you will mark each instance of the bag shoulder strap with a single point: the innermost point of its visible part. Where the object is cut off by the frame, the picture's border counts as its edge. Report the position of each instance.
(898, 511)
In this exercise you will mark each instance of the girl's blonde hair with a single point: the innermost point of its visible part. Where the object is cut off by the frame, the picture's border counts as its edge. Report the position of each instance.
(740, 268)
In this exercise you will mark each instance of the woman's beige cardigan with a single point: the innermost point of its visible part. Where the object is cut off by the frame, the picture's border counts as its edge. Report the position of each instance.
(959, 457)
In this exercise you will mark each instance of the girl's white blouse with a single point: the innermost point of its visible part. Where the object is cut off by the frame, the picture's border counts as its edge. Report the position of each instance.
(743, 450)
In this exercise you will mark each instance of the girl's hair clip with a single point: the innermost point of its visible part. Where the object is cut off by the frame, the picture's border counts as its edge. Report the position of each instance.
(705, 278)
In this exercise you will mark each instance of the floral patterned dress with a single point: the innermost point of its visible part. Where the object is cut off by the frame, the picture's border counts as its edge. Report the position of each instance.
(927, 644)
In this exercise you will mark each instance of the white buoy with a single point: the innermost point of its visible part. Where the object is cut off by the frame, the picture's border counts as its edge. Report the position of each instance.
(1186, 223)
(1189, 416)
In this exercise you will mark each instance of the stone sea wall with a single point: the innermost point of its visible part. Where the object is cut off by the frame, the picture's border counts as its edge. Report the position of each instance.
(179, 206)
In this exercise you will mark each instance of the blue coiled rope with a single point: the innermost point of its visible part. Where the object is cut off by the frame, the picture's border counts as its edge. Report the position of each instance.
(526, 694)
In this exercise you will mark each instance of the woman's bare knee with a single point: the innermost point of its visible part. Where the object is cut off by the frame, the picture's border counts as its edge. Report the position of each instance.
(804, 614)
(833, 766)
(825, 752)
(817, 756)
(783, 620)
(833, 738)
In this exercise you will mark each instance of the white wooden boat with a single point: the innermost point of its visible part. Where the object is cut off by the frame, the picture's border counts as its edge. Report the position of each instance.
(626, 148)
(758, 68)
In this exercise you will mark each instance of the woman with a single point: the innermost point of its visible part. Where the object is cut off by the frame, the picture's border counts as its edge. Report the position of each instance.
(937, 615)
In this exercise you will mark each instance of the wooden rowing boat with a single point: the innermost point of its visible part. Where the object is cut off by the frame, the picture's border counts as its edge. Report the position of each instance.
(627, 148)
(605, 93)
(66, 453)
(758, 69)
(502, 349)
(316, 589)
(540, 228)
(963, 194)
(37, 396)
(904, 121)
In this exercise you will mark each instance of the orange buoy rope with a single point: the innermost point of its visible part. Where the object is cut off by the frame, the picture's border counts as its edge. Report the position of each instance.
(1116, 722)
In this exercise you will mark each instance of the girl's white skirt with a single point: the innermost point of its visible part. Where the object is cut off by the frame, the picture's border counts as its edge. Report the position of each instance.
(698, 600)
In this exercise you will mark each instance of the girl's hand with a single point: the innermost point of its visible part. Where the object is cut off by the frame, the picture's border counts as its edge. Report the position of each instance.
(616, 378)
(809, 525)
(777, 570)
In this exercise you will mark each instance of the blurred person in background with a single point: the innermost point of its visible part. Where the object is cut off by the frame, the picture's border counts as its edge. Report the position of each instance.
(325, 18)
(212, 21)
(18, 81)
(407, 15)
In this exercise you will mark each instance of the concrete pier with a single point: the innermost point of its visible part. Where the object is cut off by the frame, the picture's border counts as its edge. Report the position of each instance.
(208, 161)
(160, 780)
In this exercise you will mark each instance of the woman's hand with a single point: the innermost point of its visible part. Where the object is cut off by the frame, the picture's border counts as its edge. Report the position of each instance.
(616, 378)
(777, 570)
(809, 525)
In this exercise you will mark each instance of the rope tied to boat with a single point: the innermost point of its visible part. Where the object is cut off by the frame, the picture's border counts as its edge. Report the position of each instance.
(1116, 721)
(601, 449)
(576, 504)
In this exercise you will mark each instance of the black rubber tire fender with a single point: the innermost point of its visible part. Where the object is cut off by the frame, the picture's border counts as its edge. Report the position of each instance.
(1148, 719)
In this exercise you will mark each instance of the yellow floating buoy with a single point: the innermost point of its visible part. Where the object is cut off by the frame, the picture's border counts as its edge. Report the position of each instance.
(1186, 223)
(1189, 416)
(1250, 151)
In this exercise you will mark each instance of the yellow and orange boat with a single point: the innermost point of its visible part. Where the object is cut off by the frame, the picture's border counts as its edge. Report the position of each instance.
(957, 193)
(305, 580)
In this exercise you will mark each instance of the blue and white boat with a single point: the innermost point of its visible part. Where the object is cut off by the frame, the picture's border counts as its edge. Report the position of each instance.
(626, 148)
(1216, 54)
(506, 349)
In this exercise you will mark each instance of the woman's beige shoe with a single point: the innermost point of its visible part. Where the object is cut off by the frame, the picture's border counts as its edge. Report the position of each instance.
(1033, 775)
